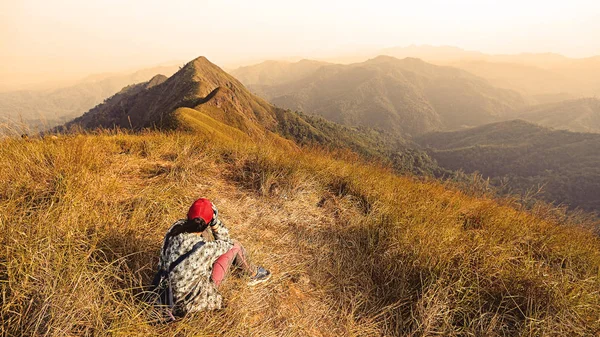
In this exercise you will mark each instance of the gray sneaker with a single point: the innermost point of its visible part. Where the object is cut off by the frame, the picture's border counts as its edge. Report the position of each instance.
(262, 275)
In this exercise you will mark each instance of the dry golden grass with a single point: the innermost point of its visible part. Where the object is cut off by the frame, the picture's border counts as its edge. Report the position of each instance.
(354, 249)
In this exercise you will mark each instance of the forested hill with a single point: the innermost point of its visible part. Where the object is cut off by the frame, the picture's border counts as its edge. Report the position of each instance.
(566, 164)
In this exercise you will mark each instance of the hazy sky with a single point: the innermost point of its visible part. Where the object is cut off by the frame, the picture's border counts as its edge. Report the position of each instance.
(45, 39)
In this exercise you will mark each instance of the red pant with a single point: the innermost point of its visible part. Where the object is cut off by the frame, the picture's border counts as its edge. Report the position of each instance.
(236, 255)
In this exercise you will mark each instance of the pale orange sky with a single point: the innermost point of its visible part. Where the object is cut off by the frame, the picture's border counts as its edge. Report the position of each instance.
(46, 40)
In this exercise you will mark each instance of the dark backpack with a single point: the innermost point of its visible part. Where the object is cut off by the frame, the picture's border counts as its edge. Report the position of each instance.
(161, 292)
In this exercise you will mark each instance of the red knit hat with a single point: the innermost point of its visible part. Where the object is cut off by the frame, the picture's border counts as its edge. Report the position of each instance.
(201, 208)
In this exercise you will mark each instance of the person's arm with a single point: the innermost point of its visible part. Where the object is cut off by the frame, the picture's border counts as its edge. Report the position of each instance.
(217, 248)
(219, 231)
(217, 227)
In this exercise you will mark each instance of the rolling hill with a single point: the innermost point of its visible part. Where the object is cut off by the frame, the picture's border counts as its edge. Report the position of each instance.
(405, 96)
(579, 115)
(535, 82)
(566, 164)
(545, 83)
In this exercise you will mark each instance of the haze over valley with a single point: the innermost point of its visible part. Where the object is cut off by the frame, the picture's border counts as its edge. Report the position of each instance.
(37, 110)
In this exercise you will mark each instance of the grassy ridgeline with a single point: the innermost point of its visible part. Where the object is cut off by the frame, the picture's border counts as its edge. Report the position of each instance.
(355, 249)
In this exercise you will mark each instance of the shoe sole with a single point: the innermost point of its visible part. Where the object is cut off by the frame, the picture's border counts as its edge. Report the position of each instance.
(255, 282)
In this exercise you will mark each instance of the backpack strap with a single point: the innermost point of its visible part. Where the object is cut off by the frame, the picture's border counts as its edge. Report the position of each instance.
(162, 273)
(181, 258)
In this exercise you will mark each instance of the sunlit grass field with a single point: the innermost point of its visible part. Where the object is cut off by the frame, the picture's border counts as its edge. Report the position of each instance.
(355, 249)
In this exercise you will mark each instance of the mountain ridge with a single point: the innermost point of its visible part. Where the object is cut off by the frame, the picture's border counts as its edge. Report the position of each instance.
(407, 96)
(201, 97)
(199, 84)
(37, 110)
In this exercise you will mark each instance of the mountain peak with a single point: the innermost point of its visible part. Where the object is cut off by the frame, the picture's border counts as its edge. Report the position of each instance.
(156, 80)
(207, 77)
(382, 58)
(200, 85)
(200, 62)
(407, 61)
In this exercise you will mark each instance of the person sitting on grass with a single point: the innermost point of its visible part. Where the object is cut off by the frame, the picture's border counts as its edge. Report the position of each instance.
(194, 268)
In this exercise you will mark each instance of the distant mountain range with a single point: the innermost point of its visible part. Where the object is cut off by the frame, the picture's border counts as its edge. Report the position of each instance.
(543, 77)
(525, 156)
(539, 78)
(543, 85)
(444, 54)
(407, 96)
(379, 101)
(203, 98)
(532, 74)
(412, 97)
(40, 109)
(276, 72)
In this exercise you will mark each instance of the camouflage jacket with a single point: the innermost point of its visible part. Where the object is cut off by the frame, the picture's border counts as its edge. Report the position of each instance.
(193, 289)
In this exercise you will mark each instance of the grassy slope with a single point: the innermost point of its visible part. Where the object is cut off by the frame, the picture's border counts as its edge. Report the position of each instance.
(355, 249)
(199, 122)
